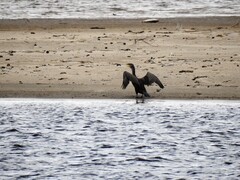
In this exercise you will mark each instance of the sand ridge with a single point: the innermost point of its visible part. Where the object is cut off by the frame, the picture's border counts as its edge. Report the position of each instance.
(87, 59)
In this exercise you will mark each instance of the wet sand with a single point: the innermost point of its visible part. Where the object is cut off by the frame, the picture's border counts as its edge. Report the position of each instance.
(195, 58)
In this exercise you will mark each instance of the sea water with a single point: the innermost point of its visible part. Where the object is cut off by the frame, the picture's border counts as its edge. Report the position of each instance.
(119, 139)
(94, 9)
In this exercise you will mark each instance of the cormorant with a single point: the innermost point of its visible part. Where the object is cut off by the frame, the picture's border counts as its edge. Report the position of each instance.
(139, 83)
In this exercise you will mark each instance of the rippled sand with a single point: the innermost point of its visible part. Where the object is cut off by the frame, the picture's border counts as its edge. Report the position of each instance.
(193, 57)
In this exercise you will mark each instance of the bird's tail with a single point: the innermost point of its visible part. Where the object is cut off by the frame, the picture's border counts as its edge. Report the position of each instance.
(146, 94)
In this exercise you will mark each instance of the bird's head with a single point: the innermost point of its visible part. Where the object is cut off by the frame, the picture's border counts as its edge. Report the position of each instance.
(130, 65)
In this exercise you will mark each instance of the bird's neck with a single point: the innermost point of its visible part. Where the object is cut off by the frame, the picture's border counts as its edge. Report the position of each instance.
(133, 71)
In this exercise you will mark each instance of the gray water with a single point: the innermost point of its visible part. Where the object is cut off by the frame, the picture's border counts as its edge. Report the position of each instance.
(119, 139)
(15, 9)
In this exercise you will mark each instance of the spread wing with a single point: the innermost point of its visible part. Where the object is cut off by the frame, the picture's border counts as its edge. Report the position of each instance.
(129, 77)
(150, 78)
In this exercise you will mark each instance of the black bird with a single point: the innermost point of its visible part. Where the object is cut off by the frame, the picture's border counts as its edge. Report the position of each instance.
(139, 83)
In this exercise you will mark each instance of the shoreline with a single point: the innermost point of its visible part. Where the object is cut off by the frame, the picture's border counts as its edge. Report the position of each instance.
(53, 23)
(194, 57)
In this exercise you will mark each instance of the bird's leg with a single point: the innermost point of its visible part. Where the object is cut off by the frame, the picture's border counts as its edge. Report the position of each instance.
(137, 101)
(142, 98)
(137, 98)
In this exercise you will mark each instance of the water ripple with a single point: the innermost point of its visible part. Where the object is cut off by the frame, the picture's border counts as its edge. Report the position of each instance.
(118, 139)
(93, 9)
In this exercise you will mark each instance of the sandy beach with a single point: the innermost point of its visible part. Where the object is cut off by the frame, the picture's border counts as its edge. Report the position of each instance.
(195, 58)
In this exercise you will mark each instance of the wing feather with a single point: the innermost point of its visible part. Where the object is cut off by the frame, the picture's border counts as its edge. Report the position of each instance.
(129, 77)
(150, 78)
